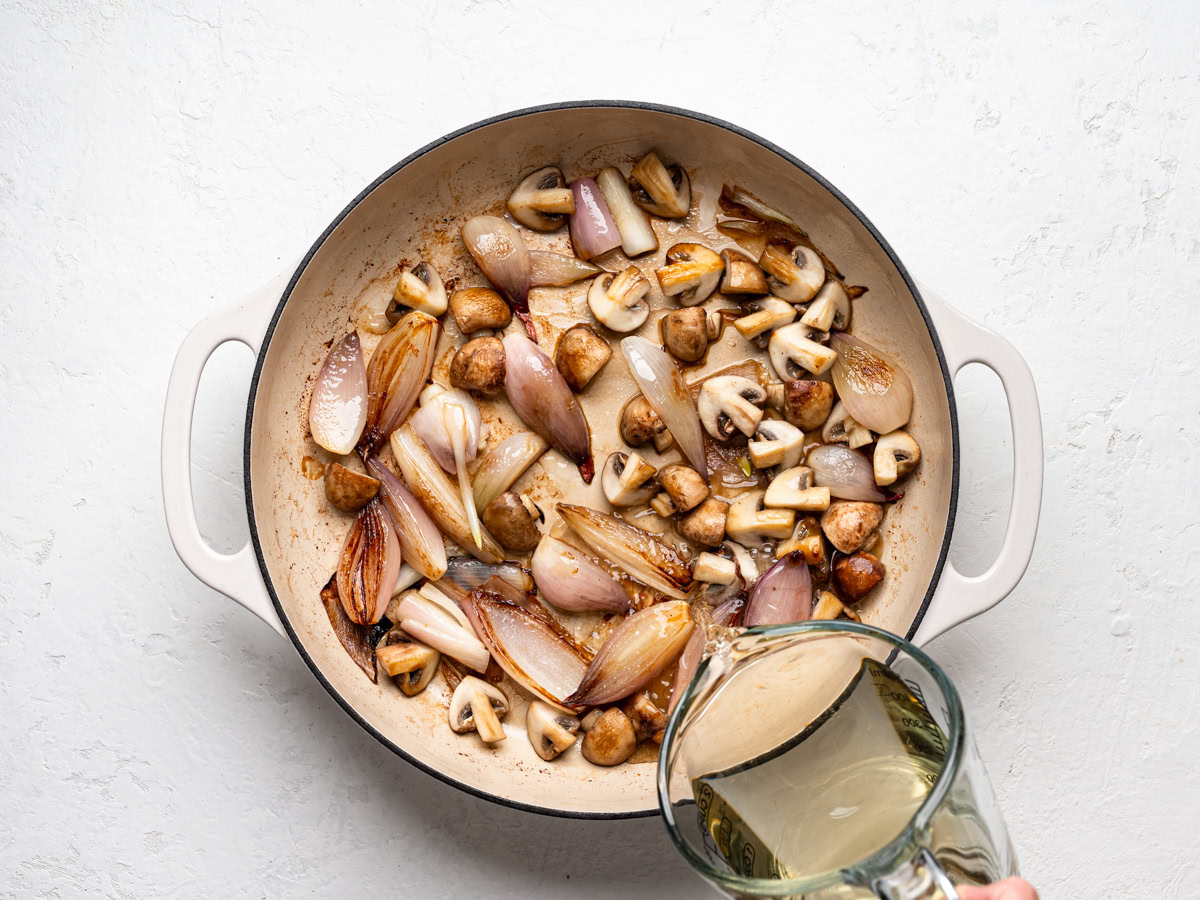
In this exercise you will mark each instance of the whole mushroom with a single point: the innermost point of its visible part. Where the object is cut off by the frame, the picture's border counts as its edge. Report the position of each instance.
(611, 740)
(856, 576)
(807, 404)
(581, 354)
(639, 422)
(848, 523)
(348, 490)
(478, 365)
(686, 332)
(512, 519)
(477, 308)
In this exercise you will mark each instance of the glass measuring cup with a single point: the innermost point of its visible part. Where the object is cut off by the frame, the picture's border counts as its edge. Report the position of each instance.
(827, 759)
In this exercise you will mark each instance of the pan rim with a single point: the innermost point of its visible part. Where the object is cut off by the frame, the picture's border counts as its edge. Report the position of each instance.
(947, 378)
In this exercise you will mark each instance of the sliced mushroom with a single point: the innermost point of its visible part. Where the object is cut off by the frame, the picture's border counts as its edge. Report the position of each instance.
(421, 288)
(848, 523)
(705, 524)
(619, 301)
(742, 274)
(795, 275)
(478, 365)
(611, 739)
(793, 350)
(806, 404)
(661, 190)
(749, 519)
(713, 569)
(639, 422)
(692, 272)
(580, 355)
(411, 663)
(776, 443)
(685, 333)
(685, 486)
(663, 505)
(827, 606)
(512, 519)
(807, 539)
(794, 489)
(730, 402)
(896, 454)
(830, 309)
(542, 200)
(765, 315)
(479, 308)
(627, 479)
(478, 706)
(551, 731)
(647, 719)
(348, 490)
(840, 428)
(856, 576)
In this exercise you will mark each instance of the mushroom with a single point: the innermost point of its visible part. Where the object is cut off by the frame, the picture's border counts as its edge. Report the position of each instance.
(749, 519)
(692, 273)
(663, 505)
(705, 524)
(793, 350)
(586, 723)
(626, 479)
(421, 289)
(807, 539)
(660, 190)
(512, 519)
(806, 404)
(855, 576)
(685, 486)
(777, 443)
(830, 309)
(411, 663)
(796, 275)
(478, 365)
(348, 490)
(840, 428)
(580, 355)
(611, 739)
(647, 719)
(730, 402)
(551, 731)
(478, 706)
(713, 569)
(828, 606)
(794, 489)
(477, 308)
(639, 422)
(686, 332)
(768, 313)
(896, 454)
(848, 523)
(742, 274)
(542, 200)
(619, 301)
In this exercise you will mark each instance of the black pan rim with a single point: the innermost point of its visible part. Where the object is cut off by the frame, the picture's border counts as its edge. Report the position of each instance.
(433, 145)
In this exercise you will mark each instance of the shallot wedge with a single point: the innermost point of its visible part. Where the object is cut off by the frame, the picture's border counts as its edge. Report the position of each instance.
(640, 647)
(668, 394)
(355, 639)
(399, 368)
(689, 660)
(439, 496)
(337, 411)
(500, 251)
(876, 391)
(782, 594)
(430, 425)
(847, 473)
(504, 464)
(421, 543)
(540, 396)
(368, 565)
(547, 268)
(464, 574)
(527, 648)
(454, 417)
(637, 552)
(568, 579)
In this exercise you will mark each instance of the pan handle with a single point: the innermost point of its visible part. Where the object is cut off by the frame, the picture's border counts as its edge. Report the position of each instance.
(960, 597)
(236, 575)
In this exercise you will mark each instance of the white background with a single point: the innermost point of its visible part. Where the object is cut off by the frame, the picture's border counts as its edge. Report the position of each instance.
(1034, 163)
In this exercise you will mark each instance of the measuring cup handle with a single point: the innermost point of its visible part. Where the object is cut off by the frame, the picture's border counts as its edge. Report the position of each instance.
(921, 878)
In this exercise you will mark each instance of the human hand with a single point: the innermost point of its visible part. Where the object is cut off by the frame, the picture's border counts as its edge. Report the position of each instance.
(1008, 889)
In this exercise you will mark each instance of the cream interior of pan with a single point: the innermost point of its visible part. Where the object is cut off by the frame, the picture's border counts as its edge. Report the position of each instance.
(416, 214)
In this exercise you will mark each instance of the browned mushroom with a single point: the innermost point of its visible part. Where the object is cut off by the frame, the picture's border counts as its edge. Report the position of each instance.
(611, 740)
(477, 307)
(479, 365)
(580, 355)
(639, 422)
(855, 576)
(807, 404)
(742, 274)
(512, 519)
(848, 523)
(686, 332)
(648, 720)
(706, 523)
(685, 486)
(348, 490)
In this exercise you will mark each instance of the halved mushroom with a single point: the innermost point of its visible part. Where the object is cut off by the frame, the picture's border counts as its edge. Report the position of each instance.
(478, 706)
(580, 355)
(348, 490)
(806, 404)
(855, 576)
(686, 332)
(827, 606)
(777, 443)
(793, 350)
(830, 309)
(421, 288)
(750, 519)
(796, 275)
(619, 301)
(794, 489)
(713, 569)
(848, 523)
(586, 723)
(411, 663)
(742, 274)
(660, 190)
(896, 454)
(477, 308)
(705, 524)
(768, 313)
(692, 273)
(685, 486)
(542, 200)
(663, 505)
(611, 740)
(807, 539)
(639, 422)
(512, 519)
(647, 719)
(730, 402)
(840, 428)
(478, 365)
(627, 479)
(551, 731)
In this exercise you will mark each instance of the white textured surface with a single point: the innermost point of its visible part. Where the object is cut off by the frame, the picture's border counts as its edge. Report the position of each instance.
(1037, 167)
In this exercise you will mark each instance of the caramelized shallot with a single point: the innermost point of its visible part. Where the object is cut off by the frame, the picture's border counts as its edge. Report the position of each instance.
(500, 251)
(399, 368)
(567, 578)
(337, 411)
(368, 565)
(637, 552)
(782, 594)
